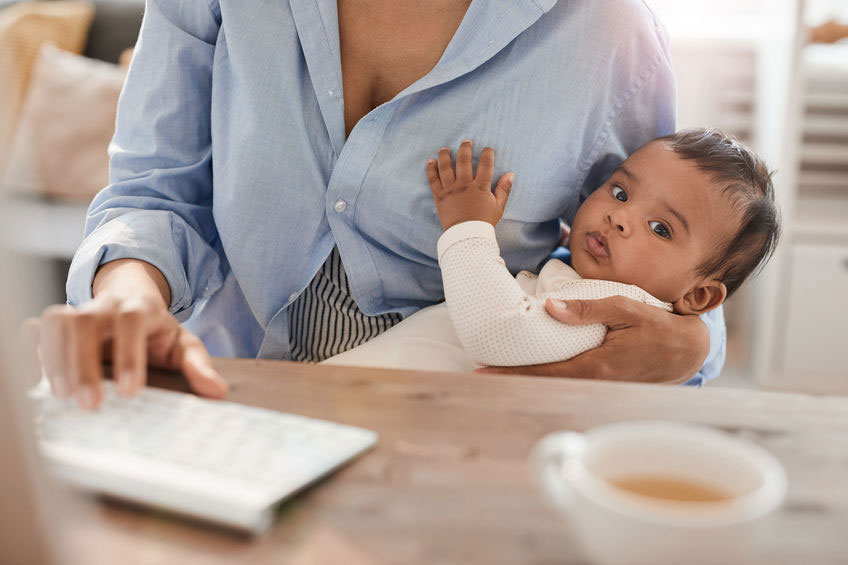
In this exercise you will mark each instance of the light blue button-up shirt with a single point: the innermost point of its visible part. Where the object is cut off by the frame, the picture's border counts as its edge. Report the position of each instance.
(231, 172)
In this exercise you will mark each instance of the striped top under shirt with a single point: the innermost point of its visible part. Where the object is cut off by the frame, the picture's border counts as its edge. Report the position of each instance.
(325, 320)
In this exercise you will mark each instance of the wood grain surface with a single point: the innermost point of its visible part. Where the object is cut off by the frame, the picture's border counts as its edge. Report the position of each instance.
(449, 480)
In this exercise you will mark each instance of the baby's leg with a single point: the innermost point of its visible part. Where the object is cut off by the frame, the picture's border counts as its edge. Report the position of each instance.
(424, 341)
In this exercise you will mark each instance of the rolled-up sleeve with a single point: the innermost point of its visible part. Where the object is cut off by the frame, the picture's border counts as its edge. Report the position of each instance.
(158, 205)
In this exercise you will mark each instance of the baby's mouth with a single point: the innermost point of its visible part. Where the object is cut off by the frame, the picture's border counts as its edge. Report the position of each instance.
(596, 245)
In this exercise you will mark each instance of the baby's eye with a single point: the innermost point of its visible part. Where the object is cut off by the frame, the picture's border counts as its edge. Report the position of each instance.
(660, 229)
(619, 194)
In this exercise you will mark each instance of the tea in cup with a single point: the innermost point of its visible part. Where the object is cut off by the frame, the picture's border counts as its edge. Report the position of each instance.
(659, 492)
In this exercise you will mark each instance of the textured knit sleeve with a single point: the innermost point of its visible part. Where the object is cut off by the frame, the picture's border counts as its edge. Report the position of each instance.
(500, 324)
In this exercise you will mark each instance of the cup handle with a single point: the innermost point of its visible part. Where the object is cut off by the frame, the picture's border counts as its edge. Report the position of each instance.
(554, 455)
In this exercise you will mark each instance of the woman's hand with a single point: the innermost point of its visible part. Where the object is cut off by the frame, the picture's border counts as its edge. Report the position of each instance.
(128, 322)
(464, 196)
(643, 343)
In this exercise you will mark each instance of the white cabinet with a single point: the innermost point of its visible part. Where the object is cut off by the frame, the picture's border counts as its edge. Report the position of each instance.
(808, 349)
(815, 327)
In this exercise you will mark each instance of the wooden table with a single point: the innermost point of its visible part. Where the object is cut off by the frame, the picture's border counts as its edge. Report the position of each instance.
(449, 480)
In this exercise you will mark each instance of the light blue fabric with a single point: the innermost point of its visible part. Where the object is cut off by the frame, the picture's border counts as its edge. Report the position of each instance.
(231, 172)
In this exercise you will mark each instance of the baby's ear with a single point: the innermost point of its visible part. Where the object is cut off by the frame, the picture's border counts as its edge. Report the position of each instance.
(708, 295)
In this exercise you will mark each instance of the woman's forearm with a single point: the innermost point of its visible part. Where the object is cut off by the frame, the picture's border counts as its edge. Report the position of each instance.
(131, 277)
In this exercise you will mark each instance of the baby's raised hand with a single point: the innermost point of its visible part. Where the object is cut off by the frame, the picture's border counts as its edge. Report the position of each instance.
(464, 196)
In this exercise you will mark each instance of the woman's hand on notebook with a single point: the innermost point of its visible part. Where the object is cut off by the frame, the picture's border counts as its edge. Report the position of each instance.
(462, 196)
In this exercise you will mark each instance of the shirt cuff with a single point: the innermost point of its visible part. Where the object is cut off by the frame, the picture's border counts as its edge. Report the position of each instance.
(463, 231)
(132, 236)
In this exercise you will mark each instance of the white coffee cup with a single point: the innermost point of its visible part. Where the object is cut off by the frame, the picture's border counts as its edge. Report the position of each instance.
(612, 524)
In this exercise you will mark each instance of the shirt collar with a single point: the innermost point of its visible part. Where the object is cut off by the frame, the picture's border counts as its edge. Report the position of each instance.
(488, 27)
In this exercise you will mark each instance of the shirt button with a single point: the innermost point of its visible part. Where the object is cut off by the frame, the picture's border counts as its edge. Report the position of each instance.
(340, 206)
(292, 296)
(330, 92)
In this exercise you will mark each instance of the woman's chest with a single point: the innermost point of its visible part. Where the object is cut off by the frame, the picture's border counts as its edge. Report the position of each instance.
(387, 46)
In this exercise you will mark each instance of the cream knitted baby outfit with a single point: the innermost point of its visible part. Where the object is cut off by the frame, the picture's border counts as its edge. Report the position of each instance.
(489, 316)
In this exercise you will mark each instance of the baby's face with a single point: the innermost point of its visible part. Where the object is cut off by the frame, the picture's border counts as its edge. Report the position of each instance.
(651, 224)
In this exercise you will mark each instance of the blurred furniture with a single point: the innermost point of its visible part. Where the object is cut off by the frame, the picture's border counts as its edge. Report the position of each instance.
(830, 31)
(809, 348)
(45, 233)
(799, 331)
(789, 100)
(449, 480)
(114, 28)
(42, 228)
(25, 27)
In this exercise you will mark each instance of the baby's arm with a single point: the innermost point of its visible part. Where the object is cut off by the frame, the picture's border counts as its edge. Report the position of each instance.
(496, 321)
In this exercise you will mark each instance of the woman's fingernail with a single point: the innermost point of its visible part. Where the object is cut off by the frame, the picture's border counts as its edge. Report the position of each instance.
(85, 396)
(60, 387)
(125, 382)
(559, 305)
(219, 380)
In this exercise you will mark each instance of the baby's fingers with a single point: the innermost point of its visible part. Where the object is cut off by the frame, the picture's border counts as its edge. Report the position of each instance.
(464, 173)
(486, 168)
(433, 177)
(502, 189)
(445, 166)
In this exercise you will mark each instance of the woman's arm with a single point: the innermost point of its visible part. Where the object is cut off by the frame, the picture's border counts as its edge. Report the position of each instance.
(632, 350)
(150, 246)
(157, 207)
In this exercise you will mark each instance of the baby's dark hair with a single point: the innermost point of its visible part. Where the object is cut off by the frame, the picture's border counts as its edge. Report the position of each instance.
(746, 180)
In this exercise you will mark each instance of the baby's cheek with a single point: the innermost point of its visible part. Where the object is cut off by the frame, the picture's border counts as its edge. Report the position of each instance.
(590, 269)
(645, 271)
(585, 267)
(665, 280)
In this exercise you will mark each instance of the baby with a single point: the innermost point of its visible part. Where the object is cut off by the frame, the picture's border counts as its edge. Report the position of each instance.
(679, 225)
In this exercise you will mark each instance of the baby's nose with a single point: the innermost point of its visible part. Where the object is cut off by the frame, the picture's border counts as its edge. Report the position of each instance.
(618, 220)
